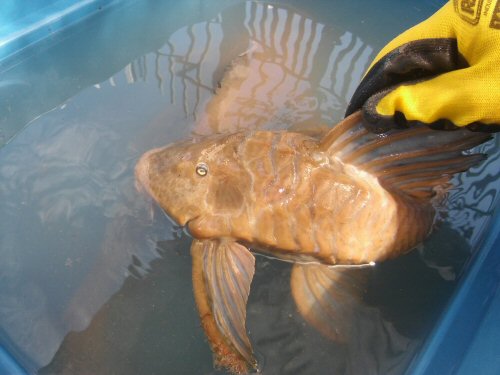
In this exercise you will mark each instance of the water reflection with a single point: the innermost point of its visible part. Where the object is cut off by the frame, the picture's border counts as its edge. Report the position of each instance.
(82, 251)
(472, 202)
(72, 221)
(293, 70)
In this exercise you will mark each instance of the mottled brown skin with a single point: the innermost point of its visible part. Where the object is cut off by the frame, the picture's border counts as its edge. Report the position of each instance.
(281, 193)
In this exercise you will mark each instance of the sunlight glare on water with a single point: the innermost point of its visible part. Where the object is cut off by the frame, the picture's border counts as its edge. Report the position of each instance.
(95, 279)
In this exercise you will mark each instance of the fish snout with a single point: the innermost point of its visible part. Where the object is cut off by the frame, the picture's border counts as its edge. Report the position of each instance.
(142, 173)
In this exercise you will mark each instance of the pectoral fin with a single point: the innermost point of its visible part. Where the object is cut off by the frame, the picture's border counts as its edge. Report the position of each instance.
(328, 297)
(222, 273)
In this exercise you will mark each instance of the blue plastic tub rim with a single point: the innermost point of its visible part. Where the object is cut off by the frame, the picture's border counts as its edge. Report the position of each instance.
(8, 365)
(44, 19)
(442, 352)
(447, 349)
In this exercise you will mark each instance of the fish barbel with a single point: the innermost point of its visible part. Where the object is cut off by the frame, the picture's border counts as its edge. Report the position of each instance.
(349, 198)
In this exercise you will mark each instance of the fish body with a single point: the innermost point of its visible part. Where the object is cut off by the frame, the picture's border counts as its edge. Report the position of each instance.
(280, 192)
(348, 198)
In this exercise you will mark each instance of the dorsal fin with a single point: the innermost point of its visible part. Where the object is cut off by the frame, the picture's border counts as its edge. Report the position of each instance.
(415, 160)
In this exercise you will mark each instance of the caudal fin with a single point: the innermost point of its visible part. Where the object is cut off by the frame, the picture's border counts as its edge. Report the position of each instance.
(416, 160)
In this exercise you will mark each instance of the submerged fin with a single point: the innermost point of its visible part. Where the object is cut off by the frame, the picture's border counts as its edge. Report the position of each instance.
(327, 297)
(222, 274)
(259, 90)
(415, 160)
(217, 118)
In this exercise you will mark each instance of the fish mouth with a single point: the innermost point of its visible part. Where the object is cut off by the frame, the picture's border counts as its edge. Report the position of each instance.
(182, 221)
(190, 220)
(143, 185)
(187, 226)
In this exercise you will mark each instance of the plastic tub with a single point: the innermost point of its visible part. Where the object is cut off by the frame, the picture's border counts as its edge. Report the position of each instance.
(466, 336)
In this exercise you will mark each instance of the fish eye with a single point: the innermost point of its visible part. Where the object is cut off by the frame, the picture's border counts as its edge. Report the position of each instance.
(202, 169)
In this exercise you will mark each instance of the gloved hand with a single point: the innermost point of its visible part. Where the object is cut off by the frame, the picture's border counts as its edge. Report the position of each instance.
(444, 72)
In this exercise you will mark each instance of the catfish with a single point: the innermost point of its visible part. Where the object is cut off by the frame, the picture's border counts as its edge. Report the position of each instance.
(340, 202)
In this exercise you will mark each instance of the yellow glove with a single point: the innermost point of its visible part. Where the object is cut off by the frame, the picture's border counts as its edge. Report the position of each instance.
(444, 72)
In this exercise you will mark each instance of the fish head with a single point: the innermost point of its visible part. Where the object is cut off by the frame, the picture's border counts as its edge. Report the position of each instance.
(195, 179)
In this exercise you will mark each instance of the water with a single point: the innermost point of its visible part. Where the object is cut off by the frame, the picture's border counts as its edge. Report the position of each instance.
(96, 281)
